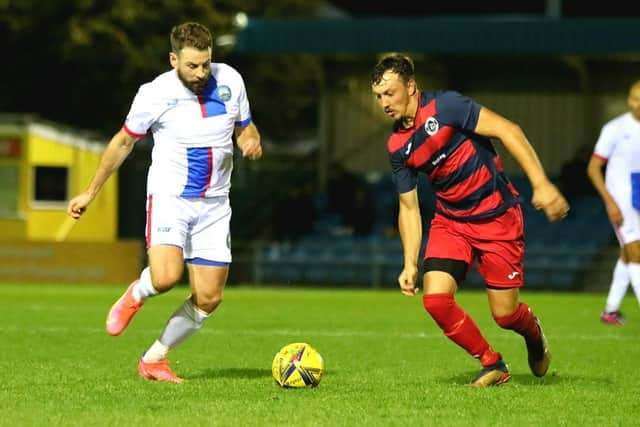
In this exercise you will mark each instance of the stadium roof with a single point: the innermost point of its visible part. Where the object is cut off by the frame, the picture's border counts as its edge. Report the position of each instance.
(443, 35)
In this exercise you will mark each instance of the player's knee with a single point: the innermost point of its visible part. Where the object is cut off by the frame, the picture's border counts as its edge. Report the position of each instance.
(208, 303)
(503, 321)
(164, 281)
(438, 305)
(509, 320)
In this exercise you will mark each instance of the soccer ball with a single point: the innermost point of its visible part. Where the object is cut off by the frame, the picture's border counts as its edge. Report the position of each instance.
(297, 365)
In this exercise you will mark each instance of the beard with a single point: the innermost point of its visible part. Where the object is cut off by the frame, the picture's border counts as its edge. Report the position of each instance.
(195, 86)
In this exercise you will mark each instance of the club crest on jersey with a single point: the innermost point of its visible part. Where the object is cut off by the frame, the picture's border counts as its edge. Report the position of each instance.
(431, 126)
(224, 93)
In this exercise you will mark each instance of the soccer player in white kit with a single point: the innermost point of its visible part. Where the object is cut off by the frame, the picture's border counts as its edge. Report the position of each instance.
(193, 112)
(619, 148)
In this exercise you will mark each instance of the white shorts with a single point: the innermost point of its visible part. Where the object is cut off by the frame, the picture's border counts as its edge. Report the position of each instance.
(629, 231)
(200, 226)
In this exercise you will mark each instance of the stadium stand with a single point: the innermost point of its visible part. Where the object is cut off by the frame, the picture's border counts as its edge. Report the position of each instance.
(556, 255)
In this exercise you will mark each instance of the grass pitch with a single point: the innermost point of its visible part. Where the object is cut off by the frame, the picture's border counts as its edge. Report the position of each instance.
(387, 364)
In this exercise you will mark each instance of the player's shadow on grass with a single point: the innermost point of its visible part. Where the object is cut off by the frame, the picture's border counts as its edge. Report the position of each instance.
(551, 379)
(234, 373)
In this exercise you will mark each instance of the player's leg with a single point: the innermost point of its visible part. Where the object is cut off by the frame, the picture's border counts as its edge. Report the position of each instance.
(621, 279)
(164, 270)
(517, 316)
(207, 284)
(165, 233)
(447, 261)
(619, 284)
(166, 265)
(208, 255)
(628, 235)
(500, 264)
(456, 323)
(632, 254)
(500, 248)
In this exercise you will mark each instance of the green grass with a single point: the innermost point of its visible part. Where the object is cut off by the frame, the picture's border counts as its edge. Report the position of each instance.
(387, 364)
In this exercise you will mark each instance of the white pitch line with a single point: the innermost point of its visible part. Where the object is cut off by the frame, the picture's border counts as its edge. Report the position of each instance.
(307, 332)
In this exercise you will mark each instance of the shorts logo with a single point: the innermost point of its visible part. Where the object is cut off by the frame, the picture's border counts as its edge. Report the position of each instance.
(163, 229)
(431, 126)
(224, 93)
(513, 275)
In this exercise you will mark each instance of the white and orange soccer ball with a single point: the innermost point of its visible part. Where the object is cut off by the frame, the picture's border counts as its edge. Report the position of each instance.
(297, 365)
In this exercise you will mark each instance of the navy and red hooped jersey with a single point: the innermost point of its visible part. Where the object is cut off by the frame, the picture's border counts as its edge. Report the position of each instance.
(463, 167)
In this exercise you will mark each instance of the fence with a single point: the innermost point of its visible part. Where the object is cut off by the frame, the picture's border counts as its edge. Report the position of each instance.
(377, 264)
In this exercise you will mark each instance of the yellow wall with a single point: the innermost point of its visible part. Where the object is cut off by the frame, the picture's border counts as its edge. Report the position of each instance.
(15, 161)
(45, 151)
(91, 252)
(12, 229)
(70, 262)
(47, 145)
(99, 223)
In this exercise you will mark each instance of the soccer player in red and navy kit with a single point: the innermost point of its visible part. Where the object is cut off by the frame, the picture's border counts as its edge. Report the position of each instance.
(478, 217)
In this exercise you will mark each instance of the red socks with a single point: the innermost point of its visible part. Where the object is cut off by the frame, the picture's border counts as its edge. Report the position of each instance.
(459, 327)
(521, 321)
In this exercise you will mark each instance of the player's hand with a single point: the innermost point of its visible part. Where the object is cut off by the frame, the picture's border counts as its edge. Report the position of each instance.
(78, 205)
(407, 280)
(547, 197)
(251, 148)
(614, 213)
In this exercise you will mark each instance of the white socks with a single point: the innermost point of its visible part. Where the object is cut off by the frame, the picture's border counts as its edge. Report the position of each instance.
(183, 323)
(186, 320)
(156, 353)
(634, 274)
(144, 289)
(619, 286)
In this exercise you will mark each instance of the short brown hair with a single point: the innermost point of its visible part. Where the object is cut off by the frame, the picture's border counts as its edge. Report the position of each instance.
(190, 34)
(397, 63)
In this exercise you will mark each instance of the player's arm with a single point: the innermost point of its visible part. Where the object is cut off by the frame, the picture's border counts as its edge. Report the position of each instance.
(545, 195)
(410, 227)
(594, 171)
(117, 150)
(248, 140)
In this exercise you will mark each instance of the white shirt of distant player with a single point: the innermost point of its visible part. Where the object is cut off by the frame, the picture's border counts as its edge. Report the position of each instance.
(192, 153)
(619, 144)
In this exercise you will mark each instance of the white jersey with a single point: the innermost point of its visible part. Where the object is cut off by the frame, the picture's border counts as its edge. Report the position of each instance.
(619, 145)
(193, 149)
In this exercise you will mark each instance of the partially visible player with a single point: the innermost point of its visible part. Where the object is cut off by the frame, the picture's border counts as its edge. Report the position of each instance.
(619, 148)
(478, 217)
(193, 111)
